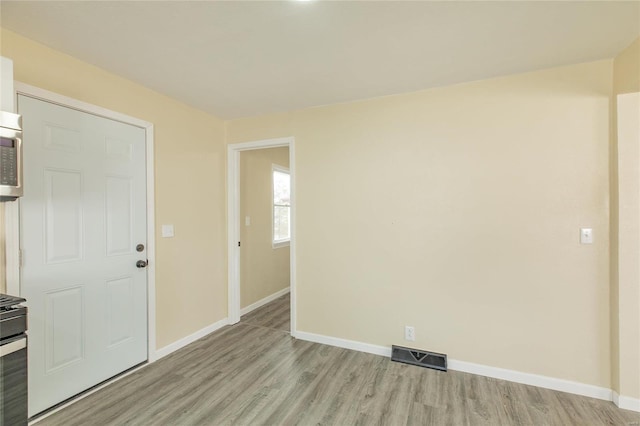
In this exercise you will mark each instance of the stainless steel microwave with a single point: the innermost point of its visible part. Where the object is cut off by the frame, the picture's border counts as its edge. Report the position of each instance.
(10, 156)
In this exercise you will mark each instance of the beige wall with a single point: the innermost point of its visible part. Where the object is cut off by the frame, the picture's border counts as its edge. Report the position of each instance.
(626, 69)
(625, 239)
(628, 311)
(457, 210)
(264, 269)
(190, 174)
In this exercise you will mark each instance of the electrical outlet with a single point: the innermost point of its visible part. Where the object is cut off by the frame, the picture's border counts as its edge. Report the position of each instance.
(586, 236)
(409, 333)
(167, 231)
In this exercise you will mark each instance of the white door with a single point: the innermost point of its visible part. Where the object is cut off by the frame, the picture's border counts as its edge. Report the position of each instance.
(82, 215)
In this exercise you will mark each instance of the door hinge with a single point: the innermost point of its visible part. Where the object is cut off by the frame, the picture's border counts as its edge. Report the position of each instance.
(20, 258)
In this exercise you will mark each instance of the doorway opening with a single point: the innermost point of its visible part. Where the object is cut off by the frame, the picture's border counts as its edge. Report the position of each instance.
(280, 222)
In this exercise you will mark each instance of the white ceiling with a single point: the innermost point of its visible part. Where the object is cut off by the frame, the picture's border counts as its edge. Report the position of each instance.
(240, 58)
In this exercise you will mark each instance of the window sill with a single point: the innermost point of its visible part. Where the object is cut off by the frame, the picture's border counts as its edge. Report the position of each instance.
(280, 244)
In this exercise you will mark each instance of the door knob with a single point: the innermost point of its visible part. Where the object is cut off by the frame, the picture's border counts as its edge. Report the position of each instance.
(141, 264)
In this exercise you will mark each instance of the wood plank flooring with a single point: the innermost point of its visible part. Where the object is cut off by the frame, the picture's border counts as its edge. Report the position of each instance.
(254, 373)
(274, 315)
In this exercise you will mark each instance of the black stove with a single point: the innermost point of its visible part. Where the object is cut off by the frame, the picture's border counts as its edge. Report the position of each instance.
(13, 361)
(13, 317)
(8, 302)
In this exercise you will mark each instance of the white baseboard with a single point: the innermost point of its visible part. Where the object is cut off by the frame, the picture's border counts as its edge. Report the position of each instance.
(264, 301)
(626, 402)
(546, 382)
(481, 370)
(160, 353)
(344, 343)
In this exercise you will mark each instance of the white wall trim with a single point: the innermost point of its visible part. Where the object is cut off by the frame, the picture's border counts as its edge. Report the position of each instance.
(262, 302)
(281, 169)
(12, 246)
(626, 402)
(481, 370)
(532, 379)
(151, 245)
(344, 343)
(233, 236)
(233, 222)
(293, 241)
(65, 101)
(13, 238)
(179, 344)
(11, 209)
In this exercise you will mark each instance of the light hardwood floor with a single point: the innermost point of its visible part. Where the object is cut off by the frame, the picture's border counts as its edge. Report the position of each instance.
(276, 315)
(254, 373)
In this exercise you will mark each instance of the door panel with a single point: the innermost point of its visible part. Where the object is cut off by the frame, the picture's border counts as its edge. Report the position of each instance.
(63, 215)
(82, 214)
(64, 328)
(58, 138)
(119, 211)
(119, 150)
(119, 310)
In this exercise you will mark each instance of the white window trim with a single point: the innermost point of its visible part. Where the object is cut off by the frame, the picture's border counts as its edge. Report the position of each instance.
(287, 242)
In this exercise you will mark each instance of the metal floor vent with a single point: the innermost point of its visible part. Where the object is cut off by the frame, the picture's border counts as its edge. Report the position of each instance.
(419, 358)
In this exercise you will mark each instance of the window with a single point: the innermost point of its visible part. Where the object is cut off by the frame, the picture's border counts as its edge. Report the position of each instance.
(281, 206)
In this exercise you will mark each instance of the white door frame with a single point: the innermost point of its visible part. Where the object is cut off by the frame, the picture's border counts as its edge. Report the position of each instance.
(12, 216)
(233, 222)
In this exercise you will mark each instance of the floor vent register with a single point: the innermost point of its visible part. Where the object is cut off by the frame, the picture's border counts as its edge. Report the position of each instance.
(420, 358)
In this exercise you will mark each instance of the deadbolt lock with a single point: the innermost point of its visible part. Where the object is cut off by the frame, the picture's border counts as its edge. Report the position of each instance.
(140, 247)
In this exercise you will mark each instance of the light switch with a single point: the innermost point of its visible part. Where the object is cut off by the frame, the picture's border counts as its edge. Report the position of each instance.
(586, 236)
(247, 221)
(167, 231)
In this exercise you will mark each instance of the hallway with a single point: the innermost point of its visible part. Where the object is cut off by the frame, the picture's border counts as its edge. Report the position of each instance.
(274, 315)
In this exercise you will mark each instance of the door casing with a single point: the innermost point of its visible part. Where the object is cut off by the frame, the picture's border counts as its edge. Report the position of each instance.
(233, 222)
(12, 216)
